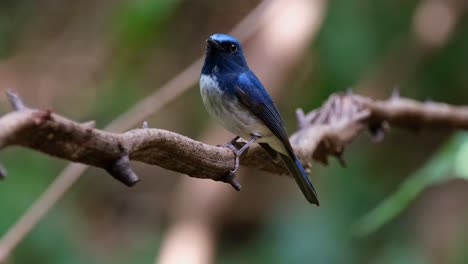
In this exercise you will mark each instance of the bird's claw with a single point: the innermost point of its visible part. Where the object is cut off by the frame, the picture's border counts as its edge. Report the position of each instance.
(230, 177)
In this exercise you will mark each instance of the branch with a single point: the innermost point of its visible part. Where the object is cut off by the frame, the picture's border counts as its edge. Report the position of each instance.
(323, 132)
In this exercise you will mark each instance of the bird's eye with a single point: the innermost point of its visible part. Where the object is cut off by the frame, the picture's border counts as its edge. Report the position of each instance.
(233, 48)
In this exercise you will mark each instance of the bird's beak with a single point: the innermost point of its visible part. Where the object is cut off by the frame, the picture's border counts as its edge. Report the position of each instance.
(214, 44)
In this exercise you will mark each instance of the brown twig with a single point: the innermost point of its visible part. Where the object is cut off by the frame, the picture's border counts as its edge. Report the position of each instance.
(324, 132)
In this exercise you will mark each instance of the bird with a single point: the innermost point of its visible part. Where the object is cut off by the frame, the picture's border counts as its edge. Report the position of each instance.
(234, 96)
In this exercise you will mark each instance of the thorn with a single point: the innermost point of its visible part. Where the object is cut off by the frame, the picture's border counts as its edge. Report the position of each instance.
(15, 101)
(236, 185)
(395, 93)
(120, 170)
(301, 119)
(89, 124)
(349, 91)
(145, 125)
(230, 178)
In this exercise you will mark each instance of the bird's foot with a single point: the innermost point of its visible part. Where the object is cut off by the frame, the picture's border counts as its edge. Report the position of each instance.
(233, 148)
(230, 177)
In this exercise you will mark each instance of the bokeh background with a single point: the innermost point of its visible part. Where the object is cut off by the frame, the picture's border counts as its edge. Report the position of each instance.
(402, 200)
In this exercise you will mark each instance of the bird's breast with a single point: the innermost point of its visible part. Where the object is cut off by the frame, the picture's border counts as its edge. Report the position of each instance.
(217, 102)
(212, 94)
(227, 109)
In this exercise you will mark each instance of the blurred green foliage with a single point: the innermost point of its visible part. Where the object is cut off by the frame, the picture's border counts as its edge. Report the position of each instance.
(448, 163)
(138, 23)
(13, 15)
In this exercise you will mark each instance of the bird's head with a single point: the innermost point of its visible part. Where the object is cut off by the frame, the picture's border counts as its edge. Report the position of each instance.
(223, 54)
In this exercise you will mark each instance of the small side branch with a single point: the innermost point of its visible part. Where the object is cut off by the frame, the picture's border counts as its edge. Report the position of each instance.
(15, 101)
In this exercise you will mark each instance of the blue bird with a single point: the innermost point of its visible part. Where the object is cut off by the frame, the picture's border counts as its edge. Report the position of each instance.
(234, 96)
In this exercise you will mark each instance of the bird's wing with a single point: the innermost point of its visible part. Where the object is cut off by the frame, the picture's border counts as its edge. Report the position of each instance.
(251, 93)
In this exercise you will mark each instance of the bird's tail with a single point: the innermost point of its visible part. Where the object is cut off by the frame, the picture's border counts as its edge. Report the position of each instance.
(302, 178)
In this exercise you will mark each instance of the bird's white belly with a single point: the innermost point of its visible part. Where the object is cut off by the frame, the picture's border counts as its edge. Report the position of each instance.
(230, 112)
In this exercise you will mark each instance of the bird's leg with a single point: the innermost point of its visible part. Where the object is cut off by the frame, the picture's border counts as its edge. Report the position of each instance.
(239, 152)
(230, 176)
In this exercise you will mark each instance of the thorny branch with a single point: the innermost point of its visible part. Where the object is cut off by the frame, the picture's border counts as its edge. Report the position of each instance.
(323, 132)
